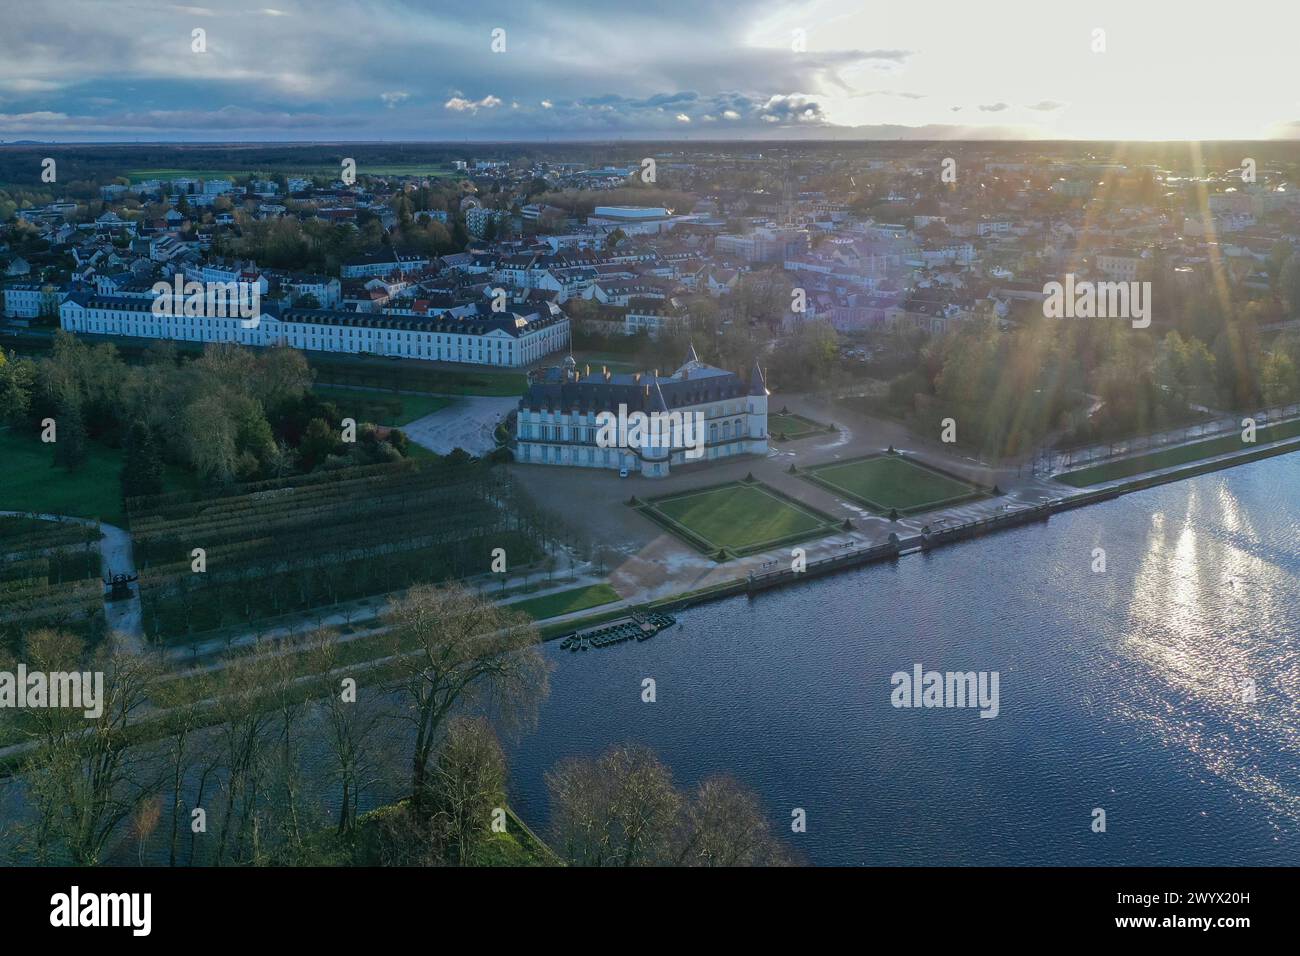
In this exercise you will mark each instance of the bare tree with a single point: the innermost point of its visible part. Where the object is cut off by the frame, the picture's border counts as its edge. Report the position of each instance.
(351, 722)
(83, 783)
(183, 702)
(618, 810)
(469, 782)
(724, 825)
(457, 649)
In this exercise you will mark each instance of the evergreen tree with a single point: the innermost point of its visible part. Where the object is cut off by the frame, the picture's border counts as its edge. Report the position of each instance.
(142, 470)
(70, 436)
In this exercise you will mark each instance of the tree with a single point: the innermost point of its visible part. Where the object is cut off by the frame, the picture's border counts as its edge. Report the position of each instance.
(469, 783)
(1279, 382)
(619, 810)
(351, 729)
(318, 443)
(70, 436)
(142, 468)
(83, 783)
(1289, 285)
(17, 380)
(724, 825)
(455, 649)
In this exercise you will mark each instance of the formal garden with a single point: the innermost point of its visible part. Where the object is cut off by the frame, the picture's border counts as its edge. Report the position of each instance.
(736, 519)
(890, 482)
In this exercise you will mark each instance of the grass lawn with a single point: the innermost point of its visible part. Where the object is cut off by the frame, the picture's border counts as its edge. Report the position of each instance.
(790, 426)
(619, 364)
(382, 408)
(30, 482)
(885, 482)
(1180, 455)
(412, 375)
(741, 517)
(566, 602)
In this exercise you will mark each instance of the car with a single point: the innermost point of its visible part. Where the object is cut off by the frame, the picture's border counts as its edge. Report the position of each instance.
(622, 472)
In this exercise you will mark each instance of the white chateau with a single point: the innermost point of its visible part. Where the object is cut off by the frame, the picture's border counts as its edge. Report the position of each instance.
(558, 416)
(472, 334)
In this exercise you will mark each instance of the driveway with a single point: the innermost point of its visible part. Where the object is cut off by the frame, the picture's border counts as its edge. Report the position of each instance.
(466, 423)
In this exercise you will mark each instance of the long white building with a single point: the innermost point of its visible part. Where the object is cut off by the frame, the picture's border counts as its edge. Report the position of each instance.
(478, 336)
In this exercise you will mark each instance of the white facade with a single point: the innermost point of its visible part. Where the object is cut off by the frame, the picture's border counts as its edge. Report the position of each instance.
(550, 431)
(506, 339)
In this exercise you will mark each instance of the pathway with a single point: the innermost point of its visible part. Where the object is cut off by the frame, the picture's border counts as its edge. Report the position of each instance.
(116, 557)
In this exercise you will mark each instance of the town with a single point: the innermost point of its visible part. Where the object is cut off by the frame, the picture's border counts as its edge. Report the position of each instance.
(310, 403)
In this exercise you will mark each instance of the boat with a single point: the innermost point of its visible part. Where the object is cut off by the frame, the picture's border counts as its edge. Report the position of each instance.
(636, 626)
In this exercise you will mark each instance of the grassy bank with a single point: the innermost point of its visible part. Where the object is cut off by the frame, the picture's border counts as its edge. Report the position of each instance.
(1171, 457)
(566, 602)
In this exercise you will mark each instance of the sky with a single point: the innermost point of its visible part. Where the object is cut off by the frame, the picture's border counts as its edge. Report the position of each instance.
(365, 70)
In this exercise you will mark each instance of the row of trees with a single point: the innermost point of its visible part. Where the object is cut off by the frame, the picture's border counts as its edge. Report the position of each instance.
(1083, 380)
(228, 747)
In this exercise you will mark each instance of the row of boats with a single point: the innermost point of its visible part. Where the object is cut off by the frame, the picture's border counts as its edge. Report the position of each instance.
(635, 626)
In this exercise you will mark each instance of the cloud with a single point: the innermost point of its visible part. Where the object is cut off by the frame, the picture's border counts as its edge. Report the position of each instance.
(683, 118)
(1046, 105)
(993, 107)
(459, 104)
(792, 109)
(392, 97)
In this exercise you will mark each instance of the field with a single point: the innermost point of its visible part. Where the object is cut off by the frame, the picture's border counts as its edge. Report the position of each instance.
(49, 577)
(292, 545)
(566, 602)
(738, 518)
(31, 482)
(887, 482)
(1179, 455)
(787, 426)
(381, 408)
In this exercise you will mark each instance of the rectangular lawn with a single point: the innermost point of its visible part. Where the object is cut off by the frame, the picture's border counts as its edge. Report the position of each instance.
(792, 426)
(741, 517)
(886, 482)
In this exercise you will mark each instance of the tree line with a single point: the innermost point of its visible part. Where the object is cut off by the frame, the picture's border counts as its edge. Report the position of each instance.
(213, 766)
